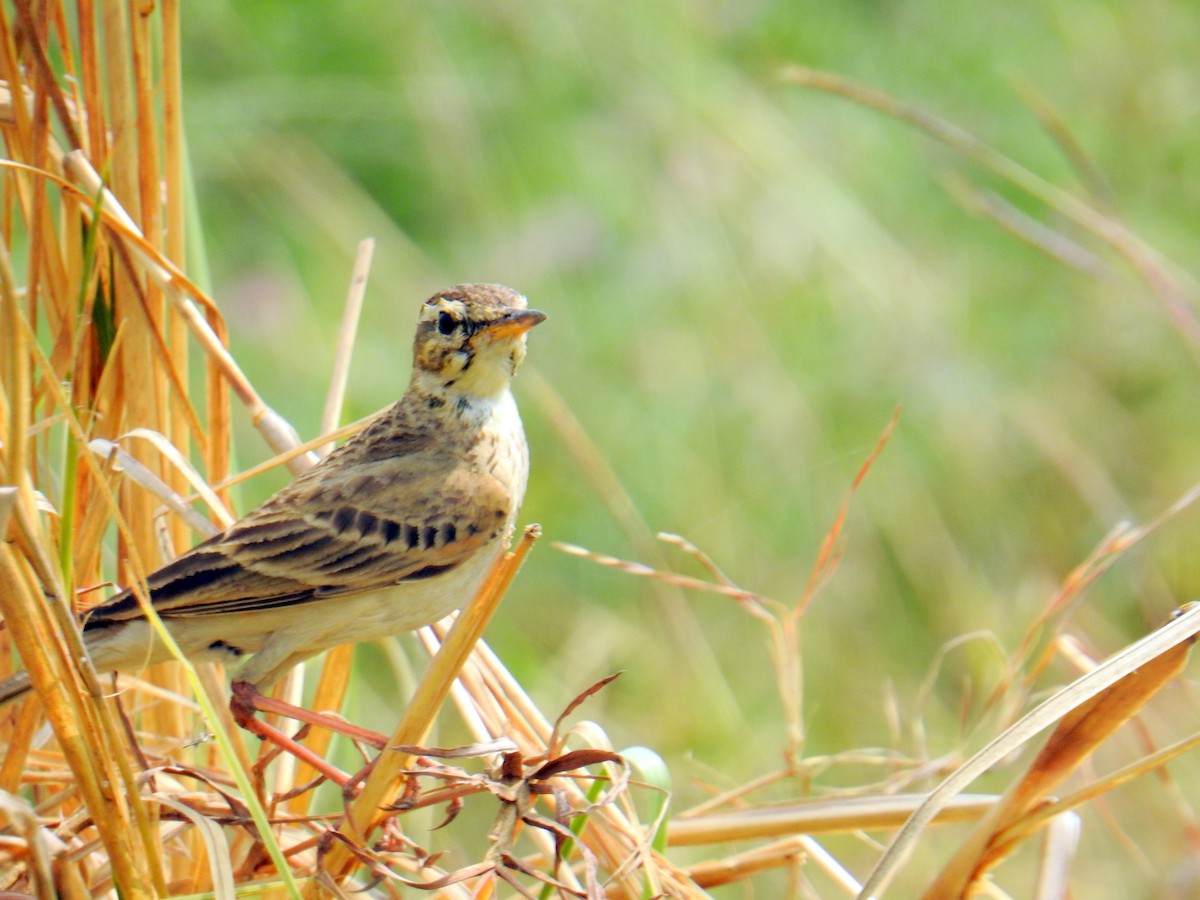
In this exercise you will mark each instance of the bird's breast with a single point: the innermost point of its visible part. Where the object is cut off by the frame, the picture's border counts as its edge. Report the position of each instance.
(501, 450)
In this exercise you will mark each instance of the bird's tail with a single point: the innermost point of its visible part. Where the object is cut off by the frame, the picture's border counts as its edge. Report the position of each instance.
(14, 687)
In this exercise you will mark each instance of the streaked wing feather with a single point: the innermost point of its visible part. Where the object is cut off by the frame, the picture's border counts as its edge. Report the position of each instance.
(347, 532)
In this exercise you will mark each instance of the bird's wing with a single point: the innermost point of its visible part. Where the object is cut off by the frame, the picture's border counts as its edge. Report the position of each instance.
(347, 531)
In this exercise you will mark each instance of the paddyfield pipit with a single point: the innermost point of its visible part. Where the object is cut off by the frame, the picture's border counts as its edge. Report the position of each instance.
(393, 530)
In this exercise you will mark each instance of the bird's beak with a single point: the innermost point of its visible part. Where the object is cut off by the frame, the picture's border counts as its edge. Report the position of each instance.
(515, 322)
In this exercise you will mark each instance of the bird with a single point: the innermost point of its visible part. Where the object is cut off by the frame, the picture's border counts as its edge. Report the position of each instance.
(394, 529)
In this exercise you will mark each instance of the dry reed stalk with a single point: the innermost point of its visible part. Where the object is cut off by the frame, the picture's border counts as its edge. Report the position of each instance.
(366, 812)
(119, 347)
(819, 816)
(495, 704)
(1078, 734)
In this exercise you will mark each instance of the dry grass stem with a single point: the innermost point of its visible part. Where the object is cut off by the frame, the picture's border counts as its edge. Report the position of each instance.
(1077, 735)
(820, 816)
(1177, 296)
(345, 349)
(1176, 633)
(365, 813)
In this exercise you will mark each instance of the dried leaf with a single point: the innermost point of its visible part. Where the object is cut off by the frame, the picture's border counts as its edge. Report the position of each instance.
(483, 748)
(575, 759)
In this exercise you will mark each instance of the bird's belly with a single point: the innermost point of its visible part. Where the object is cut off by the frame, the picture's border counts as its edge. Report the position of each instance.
(398, 609)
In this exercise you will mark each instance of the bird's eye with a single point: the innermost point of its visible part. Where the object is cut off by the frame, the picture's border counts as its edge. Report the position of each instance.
(447, 323)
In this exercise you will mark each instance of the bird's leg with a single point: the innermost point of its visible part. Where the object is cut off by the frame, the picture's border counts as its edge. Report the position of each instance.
(252, 698)
(247, 700)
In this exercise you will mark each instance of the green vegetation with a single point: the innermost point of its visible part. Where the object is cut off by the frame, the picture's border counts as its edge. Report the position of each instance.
(745, 278)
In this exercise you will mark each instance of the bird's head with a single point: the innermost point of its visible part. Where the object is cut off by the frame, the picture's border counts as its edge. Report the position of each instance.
(471, 339)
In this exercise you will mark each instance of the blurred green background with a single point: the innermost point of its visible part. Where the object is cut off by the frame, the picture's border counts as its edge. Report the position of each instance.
(744, 279)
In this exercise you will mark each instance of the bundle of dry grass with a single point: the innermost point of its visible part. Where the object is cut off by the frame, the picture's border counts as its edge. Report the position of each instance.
(111, 431)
